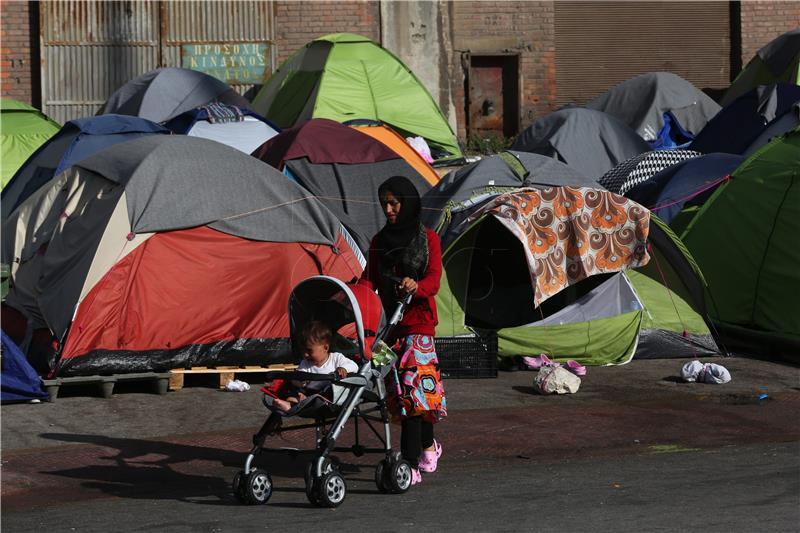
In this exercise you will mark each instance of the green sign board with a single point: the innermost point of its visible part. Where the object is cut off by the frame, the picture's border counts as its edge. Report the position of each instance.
(241, 63)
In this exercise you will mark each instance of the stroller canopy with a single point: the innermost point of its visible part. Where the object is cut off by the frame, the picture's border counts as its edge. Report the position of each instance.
(75, 141)
(591, 142)
(351, 311)
(142, 214)
(165, 93)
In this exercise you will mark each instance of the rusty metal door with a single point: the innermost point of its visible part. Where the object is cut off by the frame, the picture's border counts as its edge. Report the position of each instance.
(91, 48)
(493, 97)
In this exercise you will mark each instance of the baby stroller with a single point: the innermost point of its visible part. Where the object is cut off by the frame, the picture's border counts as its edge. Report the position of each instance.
(356, 317)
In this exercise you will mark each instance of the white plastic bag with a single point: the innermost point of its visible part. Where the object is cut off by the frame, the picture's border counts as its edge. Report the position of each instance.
(419, 144)
(556, 380)
(235, 385)
(705, 373)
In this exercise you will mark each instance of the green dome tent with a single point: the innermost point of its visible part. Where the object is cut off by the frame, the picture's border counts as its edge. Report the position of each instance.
(652, 310)
(23, 129)
(778, 61)
(346, 77)
(745, 240)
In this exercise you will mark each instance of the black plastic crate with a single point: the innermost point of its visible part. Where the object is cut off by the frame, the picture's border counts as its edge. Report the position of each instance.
(468, 356)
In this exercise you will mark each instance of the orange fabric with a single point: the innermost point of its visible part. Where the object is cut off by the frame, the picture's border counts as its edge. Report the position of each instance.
(199, 286)
(393, 140)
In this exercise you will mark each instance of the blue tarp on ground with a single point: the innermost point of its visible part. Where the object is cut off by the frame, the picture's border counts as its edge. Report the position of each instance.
(19, 382)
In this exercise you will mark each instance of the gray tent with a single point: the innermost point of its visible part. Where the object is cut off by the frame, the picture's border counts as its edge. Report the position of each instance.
(457, 194)
(591, 142)
(168, 251)
(487, 177)
(641, 102)
(165, 93)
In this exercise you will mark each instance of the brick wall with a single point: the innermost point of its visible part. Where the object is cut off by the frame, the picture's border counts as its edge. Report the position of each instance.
(297, 23)
(763, 20)
(16, 61)
(525, 28)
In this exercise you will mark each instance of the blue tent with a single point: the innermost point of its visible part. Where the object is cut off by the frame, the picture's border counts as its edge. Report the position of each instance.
(687, 183)
(19, 382)
(76, 140)
(735, 128)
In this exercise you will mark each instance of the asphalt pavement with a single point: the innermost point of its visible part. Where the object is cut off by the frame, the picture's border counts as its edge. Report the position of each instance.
(635, 449)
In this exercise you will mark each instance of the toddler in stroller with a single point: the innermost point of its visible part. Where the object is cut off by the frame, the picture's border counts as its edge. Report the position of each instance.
(354, 316)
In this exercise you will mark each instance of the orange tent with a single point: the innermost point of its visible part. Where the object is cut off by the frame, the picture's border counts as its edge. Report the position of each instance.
(395, 142)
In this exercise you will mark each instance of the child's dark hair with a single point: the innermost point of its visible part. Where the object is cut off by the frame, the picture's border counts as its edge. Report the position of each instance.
(315, 332)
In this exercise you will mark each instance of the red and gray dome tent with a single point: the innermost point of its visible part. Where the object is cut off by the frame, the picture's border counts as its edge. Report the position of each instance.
(166, 252)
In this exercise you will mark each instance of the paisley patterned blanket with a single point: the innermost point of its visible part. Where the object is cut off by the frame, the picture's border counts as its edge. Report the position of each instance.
(570, 233)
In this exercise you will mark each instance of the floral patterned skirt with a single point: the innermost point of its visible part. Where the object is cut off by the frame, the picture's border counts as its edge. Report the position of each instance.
(416, 381)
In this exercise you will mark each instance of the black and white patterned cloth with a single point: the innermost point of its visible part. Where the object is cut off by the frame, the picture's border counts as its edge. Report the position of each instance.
(641, 168)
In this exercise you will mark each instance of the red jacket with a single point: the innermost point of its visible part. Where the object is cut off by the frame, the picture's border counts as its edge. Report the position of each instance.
(420, 317)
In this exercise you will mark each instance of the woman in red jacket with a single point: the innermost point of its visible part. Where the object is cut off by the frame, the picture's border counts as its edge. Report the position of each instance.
(405, 258)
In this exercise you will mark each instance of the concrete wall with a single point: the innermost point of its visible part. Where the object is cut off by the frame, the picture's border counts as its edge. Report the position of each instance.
(419, 34)
(18, 73)
(762, 21)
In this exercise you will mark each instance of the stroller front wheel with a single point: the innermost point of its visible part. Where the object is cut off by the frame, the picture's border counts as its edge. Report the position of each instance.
(238, 486)
(257, 487)
(332, 489)
(400, 477)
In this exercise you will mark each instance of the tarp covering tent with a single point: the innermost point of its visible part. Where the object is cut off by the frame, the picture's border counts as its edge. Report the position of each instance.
(641, 168)
(165, 93)
(525, 255)
(23, 129)
(19, 382)
(649, 102)
(748, 122)
(343, 77)
(343, 168)
(76, 140)
(237, 127)
(444, 206)
(591, 142)
(778, 60)
(141, 215)
(393, 140)
(689, 183)
(745, 240)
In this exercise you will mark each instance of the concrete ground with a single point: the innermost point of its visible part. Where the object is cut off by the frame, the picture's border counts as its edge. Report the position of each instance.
(634, 449)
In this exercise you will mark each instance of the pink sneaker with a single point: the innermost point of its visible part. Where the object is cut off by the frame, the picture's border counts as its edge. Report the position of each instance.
(538, 362)
(428, 461)
(416, 477)
(576, 368)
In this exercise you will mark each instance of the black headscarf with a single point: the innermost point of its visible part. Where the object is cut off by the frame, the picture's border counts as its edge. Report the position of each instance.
(402, 246)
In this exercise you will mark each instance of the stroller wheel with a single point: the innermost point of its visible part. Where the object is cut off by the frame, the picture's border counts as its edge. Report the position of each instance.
(380, 476)
(238, 486)
(257, 487)
(400, 477)
(329, 464)
(332, 489)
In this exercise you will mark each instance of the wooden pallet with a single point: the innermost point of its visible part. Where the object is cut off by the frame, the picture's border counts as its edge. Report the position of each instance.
(225, 373)
(160, 381)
